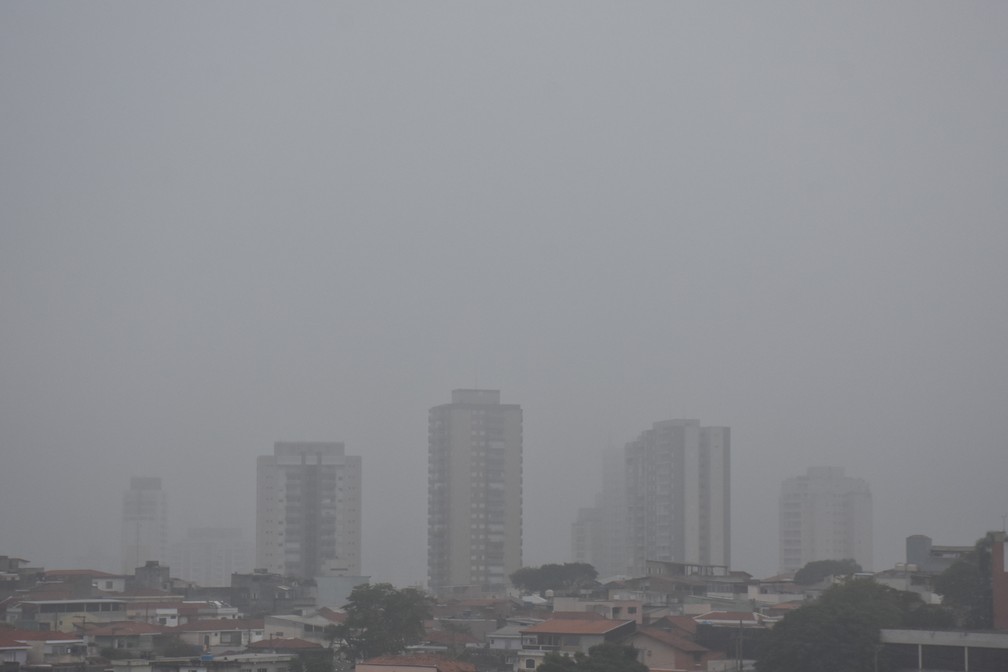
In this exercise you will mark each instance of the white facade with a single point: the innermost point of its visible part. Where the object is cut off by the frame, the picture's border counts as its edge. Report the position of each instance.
(308, 510)
(474, 526)
(678, 478)
(825, 515)
(144, 523)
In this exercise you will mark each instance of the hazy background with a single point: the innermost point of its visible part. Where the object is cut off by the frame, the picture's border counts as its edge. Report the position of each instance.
(225, 224)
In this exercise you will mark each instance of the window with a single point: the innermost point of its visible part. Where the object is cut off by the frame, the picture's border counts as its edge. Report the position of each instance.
(530, 664)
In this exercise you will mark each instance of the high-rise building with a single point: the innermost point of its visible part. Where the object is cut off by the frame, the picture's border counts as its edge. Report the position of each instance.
(825, 515)
(308, 510)
(208, 556)
(474, 505)
(598, 535)
(144, 523)
(678, 477)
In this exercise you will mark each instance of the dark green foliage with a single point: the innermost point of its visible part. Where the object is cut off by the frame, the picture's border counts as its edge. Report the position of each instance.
(966, 589)
(565, 577)
(602, 658)
(839, 632)
(817, 570)
(381, 620)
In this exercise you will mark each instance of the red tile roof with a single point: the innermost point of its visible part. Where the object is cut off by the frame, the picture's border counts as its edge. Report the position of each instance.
(733, 616)
(575, 615)
(684, 623)
(575, 626)
(41, 636)
(331, 615)
(440, 663)
(669, 639)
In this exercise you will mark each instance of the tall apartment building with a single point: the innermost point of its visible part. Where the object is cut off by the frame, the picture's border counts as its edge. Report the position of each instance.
(825, 515)
(598, 536)
(474, 505)
(308, 510)
(678, 477)
(144, 523)
(208, 556)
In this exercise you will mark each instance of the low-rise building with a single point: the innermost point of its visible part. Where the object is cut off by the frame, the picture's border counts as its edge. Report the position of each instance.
(221, 635)
(663, 650)
(567, 637)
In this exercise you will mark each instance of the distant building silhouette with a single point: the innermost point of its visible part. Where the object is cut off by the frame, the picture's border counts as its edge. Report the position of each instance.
(208, 556)
(474, 528)
(678, 477)
(598, 536)
(144, 523)
(825, 515)
(308, 510)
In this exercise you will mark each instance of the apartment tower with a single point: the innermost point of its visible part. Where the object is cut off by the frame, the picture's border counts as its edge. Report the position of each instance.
(144, 523)
(825, 515)
(474, 503)
(678, 477)
(308, 510)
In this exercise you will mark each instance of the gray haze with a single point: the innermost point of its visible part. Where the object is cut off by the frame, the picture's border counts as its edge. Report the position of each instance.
(226, 224)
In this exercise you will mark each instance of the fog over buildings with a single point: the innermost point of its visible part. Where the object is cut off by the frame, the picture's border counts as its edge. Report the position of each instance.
(228, 225)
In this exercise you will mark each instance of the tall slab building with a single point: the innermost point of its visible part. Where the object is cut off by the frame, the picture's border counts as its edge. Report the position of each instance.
(308, 510)
(678, 477)
(474, 503)
(144, 523)
(825, 515)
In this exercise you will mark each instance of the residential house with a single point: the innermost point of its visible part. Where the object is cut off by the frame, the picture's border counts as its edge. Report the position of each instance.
(663, 650)
(568, 636)
(221, 635)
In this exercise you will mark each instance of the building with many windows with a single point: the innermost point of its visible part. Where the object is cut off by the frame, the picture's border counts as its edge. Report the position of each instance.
(144, 523)
(308, 510)
(678, 495)
(474, 528)
(825, 515)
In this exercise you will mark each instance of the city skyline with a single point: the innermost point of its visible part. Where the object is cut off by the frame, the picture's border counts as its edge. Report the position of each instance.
(231, 224)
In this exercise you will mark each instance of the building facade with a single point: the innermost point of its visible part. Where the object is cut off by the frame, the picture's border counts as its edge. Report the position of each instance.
(678, 477)
(825, 515)
(144, 523)
(474, 514)
(598, 535)
(308, 510)
(208, 556)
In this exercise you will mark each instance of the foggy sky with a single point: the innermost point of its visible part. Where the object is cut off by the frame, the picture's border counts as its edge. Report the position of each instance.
(227, 224)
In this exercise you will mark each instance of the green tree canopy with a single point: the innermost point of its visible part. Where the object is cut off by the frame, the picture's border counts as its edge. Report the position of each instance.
(601, 658)
(966, 589)
(382, 620)
(840, 631)
(817, 570)
(565, 577)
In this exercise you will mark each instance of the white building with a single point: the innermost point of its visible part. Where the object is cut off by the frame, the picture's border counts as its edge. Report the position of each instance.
(308, 510)
(474, 529)
(144, 523)
(825, 515)
(678, 477)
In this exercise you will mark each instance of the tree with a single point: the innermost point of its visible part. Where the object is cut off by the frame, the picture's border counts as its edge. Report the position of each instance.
(605, 657)
(382, 620)
(966, 589)
(839, 632)
(565, 577)
(817, 570)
